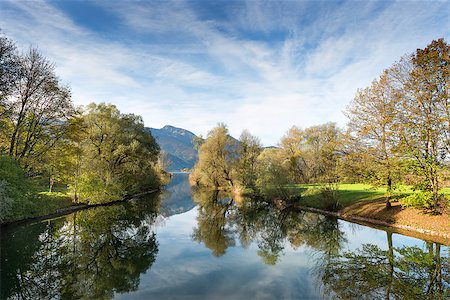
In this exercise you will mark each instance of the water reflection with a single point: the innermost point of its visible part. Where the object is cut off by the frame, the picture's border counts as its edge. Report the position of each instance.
(212, 221)
(395, 273)
(90, 254)
(220, 222)
(369, 272)
(277, 250)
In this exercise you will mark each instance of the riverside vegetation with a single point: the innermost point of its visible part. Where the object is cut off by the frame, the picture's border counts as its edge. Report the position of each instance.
(396, 142)
(53, 154)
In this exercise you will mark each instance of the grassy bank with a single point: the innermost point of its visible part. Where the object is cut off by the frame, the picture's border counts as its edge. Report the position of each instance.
(37, 201)
(349, 194)
(362, 200)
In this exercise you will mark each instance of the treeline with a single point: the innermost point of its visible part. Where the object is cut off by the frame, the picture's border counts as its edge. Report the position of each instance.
(398, 133)
(96, 151)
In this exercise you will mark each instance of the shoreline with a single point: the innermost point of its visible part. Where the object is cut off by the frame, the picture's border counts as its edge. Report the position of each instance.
(72, 209)
(412, 231)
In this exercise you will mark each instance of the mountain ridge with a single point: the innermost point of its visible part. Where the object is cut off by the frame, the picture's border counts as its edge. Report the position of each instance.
(178, 145)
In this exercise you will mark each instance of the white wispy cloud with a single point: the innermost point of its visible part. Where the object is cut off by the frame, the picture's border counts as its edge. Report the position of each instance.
(264, 66)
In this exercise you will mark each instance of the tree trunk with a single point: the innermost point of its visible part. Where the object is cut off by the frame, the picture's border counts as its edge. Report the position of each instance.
(51, 182)
(388, 192)
(13, 141)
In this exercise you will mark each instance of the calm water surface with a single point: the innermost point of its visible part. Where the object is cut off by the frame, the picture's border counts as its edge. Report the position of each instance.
(191, 245)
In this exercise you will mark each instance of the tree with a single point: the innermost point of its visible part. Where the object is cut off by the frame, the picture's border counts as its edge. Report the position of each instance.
(37, 109)
(373, 119)
(312, 152)
(322, 151)
(248, 151)
(423, 81)
(9, 67)
(118, 156)
(292, 146)
(14, 187)
(273, 174)
(216, 159)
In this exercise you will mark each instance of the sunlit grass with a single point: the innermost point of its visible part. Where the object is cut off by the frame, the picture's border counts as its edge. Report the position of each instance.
(353, 193)
(39, 201)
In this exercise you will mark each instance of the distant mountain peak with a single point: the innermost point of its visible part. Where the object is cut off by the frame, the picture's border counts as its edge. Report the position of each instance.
(177, 130)
(178, 144)
(169, 127)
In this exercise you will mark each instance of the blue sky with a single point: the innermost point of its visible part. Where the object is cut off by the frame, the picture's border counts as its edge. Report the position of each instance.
(258, 65)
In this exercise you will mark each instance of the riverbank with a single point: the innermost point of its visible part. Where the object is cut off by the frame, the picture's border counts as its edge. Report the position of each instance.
(360, 204)
(63, 209)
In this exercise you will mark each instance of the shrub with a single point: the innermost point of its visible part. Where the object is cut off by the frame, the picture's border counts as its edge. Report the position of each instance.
(14, 187)
(6, 201)
(330, 196)
(419, 199)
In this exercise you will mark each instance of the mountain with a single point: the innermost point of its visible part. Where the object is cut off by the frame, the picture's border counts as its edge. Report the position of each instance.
(178, 144)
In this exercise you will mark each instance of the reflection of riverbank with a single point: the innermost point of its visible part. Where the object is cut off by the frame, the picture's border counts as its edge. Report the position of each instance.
(279, 252)
(77, 207)
(396, 273)
(364, 217)
(404, 272)
(176, 198)
(85, 255)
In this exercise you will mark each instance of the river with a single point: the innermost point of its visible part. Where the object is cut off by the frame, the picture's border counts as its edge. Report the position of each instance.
(183, 244)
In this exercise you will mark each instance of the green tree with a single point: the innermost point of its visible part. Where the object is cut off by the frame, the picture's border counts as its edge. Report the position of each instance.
(248, 151)
(292, 145)
(273, 174)
(423, 81)
(13, 188)
(322, 146)
(36, 110)
(311, 153)
(216, 160)
(117, 155)
(373, 120)
(9, 72)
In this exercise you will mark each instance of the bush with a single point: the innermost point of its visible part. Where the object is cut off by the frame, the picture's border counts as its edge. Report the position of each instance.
(420, 199)
(330, 197)
(11, 172)
(14, 187)
(6, 201)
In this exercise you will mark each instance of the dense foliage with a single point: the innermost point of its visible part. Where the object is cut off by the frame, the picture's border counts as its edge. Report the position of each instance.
(398, 133)
(100, 153)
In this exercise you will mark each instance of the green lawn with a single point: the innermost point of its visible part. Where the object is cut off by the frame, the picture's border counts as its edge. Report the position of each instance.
(349, 194)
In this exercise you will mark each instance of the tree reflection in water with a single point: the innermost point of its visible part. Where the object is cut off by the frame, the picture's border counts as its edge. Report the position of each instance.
(395, 273)
(97, 253)
(220, 222)
(212, 221)
(90, 254)
(367, 273)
